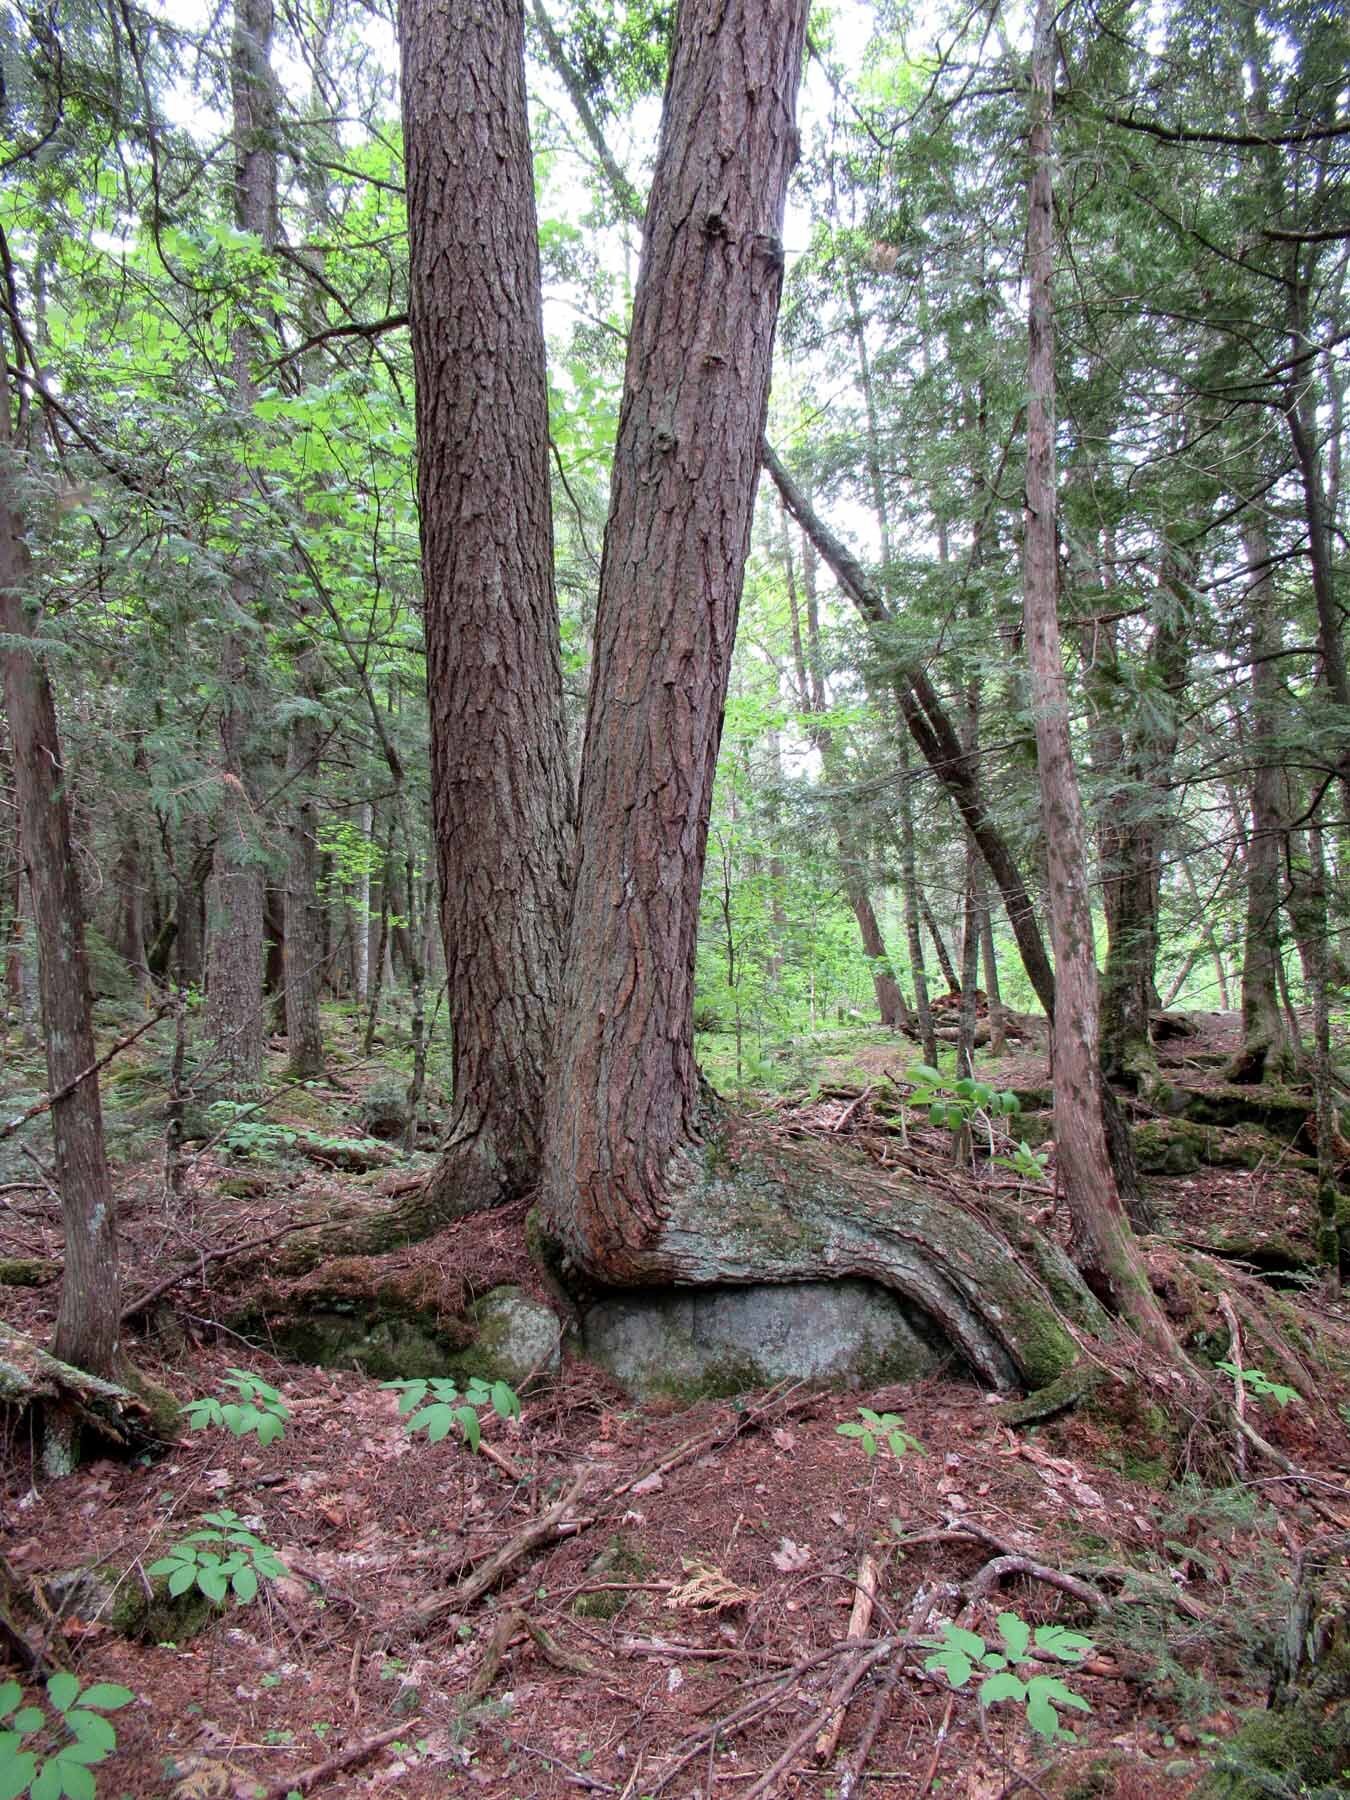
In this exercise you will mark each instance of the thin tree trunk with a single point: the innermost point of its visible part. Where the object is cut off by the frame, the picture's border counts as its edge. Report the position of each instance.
(909, 888)
(1266, 1050)
(968, 1016)
(501, 799)
(933, 732)
(88, 1323)
(1104, 1245)
(945, 963)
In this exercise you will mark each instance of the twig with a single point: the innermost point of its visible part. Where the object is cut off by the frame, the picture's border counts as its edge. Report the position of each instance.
(543, 1529)
(851, 1108)
(840, 1695)
(852, 1776)
(512, 1623)
(938, 1742)
(69, 1087)
(37, 1162)
(148, 1298)
(576, 1776)
(1239, 1385)
(350, 1758)
(864, 1600)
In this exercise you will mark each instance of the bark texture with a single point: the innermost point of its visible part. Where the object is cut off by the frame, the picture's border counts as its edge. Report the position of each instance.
(625, 1093)
(1265, 1045)
(501, 792)
(1105, 1247)
(234, 1012)
(88, 1321)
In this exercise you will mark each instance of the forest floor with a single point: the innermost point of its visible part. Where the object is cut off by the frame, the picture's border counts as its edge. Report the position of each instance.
(682, 1625)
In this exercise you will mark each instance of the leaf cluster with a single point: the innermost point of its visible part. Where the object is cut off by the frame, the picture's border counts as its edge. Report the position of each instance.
(960, 1654)
(223, 1557)
(65, 1746)
(449, 1408)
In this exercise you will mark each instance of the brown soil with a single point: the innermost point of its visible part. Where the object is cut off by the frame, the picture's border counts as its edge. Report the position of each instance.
(727, 1574)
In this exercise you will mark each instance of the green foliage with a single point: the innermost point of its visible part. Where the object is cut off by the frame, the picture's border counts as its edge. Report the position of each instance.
(1030, 1165)
(952, 1105)
(1256, 1381)
(50, 1756)
(961, 1654)
(449, 1408)
(242, 1130)
(259, 1409)
(872, 1428)
(224, 1557)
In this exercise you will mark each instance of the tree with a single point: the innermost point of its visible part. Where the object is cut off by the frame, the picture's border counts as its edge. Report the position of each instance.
(88, 1326)
(1105, 1249)
(501, 789)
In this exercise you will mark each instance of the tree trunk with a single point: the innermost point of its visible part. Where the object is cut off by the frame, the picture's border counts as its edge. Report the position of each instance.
(945, 963)
(1265, 1051)
(1104, 1245)
(909, 887)
(624, 1099)
(933, 732)
(88, 1324)
(234, 1013)
(500, 782)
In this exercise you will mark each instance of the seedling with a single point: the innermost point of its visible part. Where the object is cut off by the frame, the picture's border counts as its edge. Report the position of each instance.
(65, 1746)
(259, 1408)
(449, 1407)
(873, 1428)
(1256, 1381)
(224, 1557)
(961, 1654)
(955, 1105)
(1031, 1165)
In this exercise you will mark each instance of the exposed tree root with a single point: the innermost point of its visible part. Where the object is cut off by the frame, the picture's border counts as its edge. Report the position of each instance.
(736, 1213)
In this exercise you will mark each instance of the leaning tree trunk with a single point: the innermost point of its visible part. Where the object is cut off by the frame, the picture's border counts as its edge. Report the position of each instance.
(88, 1324)
(645, 1182)
(1104, 1246)
(500, 784)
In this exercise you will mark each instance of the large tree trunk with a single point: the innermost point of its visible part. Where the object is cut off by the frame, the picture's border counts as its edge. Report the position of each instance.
(1104, 1245)
(234, 1013)
(624, 1099)
(500, 785)
(88, 1322)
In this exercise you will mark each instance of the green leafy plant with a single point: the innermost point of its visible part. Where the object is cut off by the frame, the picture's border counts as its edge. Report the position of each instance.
(955, 1105)
(48, 1756)
(223, 1557)
(960, 1655)
(259, 1409)
(873, 1428)
(241, 1130)
(448, 1407)
(1256, 1381)
(1030, 1165)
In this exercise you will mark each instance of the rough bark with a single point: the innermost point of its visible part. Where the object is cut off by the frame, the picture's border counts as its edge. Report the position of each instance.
(501, 798)
(1104, 1245)
(234, 1013)
(87, 1325)
(624, 1099)
(1265, 1048)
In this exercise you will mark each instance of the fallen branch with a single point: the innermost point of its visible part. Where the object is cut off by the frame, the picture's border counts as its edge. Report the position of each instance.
(68, 1088)
(543, 1529)
(198, 1263)
(509, 1626)
(350, 1758)
(864, 1601)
